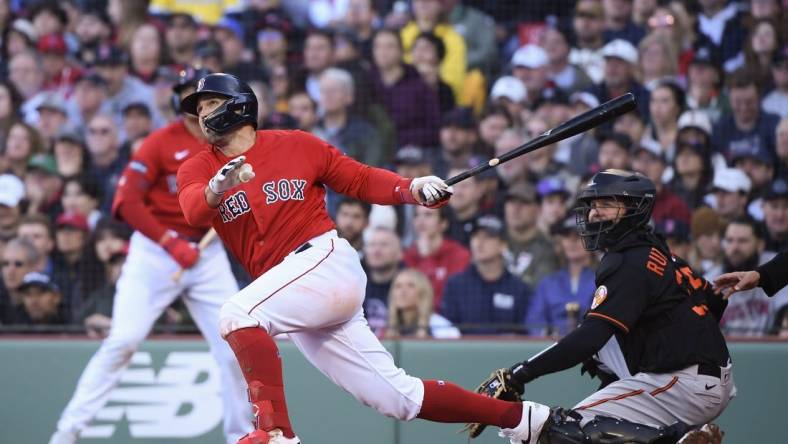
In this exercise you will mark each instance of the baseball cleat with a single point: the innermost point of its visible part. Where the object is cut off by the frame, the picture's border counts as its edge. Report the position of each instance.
(533, 420)
(708, 434)
(262, 437)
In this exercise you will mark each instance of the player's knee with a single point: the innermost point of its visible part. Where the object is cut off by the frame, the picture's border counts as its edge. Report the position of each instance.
(232, 317)
(396, 403)
(122, 344)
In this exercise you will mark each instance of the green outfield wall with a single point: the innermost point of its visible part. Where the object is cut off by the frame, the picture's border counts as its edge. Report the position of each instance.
(170, 392)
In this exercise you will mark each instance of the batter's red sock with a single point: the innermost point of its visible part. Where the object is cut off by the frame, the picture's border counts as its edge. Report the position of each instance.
(258, 356)
(447, 402)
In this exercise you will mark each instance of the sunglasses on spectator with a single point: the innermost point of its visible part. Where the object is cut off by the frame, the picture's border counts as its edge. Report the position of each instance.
(99, 131)
(16, 264)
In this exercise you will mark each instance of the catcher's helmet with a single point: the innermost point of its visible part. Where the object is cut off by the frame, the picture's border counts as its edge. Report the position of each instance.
(186, 78)
(635, 190)
(239, 108)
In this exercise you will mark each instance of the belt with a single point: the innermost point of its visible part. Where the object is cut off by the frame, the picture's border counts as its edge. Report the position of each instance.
(709, 370)
(305, 246)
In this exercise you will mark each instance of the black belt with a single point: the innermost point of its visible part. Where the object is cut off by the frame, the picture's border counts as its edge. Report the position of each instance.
(709, 370)
(305, 246)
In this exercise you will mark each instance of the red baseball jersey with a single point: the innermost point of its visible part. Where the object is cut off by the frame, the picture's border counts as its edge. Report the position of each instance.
(263, 220)
(147, 195)
(450, 259)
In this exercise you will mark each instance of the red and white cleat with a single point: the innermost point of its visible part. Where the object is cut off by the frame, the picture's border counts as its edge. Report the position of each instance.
(262, 437)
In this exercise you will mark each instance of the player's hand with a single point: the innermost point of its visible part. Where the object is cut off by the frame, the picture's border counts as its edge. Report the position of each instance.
(185, 253)
(730, 283)
(430, 191)
(231, 175)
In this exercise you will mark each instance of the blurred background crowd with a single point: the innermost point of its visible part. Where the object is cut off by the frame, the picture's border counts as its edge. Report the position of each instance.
(419, 87)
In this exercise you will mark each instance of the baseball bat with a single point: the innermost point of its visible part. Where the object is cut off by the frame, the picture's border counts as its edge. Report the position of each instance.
(207, 238)
(584, 122)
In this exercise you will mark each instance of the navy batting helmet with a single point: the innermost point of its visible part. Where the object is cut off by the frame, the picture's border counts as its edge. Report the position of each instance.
(239, 108)
(186, 78)
(636, 191)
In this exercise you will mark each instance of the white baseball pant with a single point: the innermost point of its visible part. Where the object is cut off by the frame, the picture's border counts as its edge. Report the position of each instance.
(143, 291)
(315, 297)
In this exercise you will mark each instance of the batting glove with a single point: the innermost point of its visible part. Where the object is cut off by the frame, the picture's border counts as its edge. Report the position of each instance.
(185, 253)
(431, 191)
(228, 176)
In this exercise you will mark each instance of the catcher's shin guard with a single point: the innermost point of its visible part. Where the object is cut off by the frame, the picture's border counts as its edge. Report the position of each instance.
(563, 427)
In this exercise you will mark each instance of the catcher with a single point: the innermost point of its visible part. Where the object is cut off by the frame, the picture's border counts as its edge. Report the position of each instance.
(651, 335)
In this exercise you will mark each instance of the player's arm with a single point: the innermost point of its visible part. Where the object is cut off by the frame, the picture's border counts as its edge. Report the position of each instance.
(770, 276)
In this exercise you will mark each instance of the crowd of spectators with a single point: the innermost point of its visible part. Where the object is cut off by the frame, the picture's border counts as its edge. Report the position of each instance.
(419, 87)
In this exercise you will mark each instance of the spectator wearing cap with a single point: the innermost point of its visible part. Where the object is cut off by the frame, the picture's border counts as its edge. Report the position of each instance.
(122, 87)
(758, 165)
(59, 74)
(776, 102)
(230, 34)
(553, 196)
(21, 143)
(648, 159)
(90, 98)
(677, 236)
(567, 76)
(529, 254)
(508, 92)
(621, 61)
(775, 215)
(70, 154)
(43, 185)
(409, 161)
(692, 173)
(26, 72)
(428, 17)
(704, 83)
(458, 139)
(19, 258)
(19, 37)
(382, 260)
(12, 191)
(92, 28)
(618, 22)
(588, 24)
(614, 152)
(486, 298)
(722, 24)
(781, 136)
(529, 64)
(730, 193)
(181, 37)
(580, 152)
(706, 235)
(137, 121)
(74, 270)
(107, 160)
(427, 53)
(411, 104)
(41, 302)
(563, 296)
(52, 117)
(746, 125)
(38, 229)
(465, 207)
(432, 253)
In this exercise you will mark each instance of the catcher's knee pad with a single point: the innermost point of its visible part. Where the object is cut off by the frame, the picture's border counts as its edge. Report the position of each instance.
(232, 317)
(563, 427)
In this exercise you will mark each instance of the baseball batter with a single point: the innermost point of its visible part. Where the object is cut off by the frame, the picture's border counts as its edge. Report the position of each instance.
(308, 283)
(162, 244)
(653, 328)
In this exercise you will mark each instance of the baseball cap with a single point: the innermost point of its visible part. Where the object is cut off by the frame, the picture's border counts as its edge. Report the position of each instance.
(188, 18)
(136, 106)
(530, 56)
(650, 146)
(52, 44)
(12, 190)
(695, 119)
(705, 221)
(674, 229)
(621, 49)
(522, 191)
(778, 189)
(510, 87)
(26, 28)
(43, 162)
(209, 48)
(72, 220)
(563, 227)
(92, 78)
(550, 186)
(232, 25)
(585, 98)
(69, 135)
(110, 55)
(460, 118)
(750, 151)
(410, 155)
(731, 180)
(34, 279)
(706, 55)
(275, 20)
(489, 223)
(54, 102)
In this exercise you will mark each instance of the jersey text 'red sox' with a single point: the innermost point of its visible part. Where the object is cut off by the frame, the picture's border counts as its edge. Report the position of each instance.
(283, 206)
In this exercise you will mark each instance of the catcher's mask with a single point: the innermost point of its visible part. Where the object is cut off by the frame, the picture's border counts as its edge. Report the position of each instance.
(239, 108)
(634, 190)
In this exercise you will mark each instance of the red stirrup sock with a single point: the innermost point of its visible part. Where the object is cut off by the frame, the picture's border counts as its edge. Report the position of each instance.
(258, 357)
(447, 402)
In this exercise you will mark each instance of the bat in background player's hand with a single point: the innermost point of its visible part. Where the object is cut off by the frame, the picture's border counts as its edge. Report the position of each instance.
(232, 174)
(431, 191)
(730, 283)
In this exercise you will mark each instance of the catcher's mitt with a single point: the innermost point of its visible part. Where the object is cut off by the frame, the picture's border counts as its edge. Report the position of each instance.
(499, 385)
